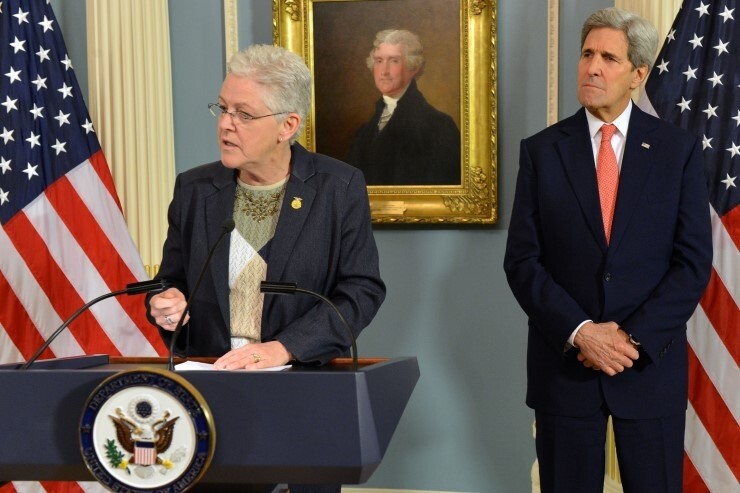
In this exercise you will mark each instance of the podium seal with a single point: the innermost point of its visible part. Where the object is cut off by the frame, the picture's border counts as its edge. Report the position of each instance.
(147, 430)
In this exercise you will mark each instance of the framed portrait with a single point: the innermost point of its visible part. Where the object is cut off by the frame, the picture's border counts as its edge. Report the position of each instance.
(435, 160)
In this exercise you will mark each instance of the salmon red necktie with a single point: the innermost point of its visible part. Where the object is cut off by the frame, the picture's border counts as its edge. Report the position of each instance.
(607, 175)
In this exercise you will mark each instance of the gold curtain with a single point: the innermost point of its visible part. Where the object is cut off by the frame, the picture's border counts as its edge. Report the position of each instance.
(231, 28)
(130, 84)
(661, 14)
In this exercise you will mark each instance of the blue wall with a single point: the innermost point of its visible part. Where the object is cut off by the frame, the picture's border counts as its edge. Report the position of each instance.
(466, 428)
(71, 18)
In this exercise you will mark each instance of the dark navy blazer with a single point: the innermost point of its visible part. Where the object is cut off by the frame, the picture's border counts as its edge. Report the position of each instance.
(648, 280)
(326, 245)
(420, 145)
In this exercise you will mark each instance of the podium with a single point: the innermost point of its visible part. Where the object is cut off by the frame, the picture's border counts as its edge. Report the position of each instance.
(328, 424)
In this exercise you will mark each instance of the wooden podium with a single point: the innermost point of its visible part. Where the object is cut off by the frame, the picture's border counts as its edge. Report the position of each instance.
(329, 424)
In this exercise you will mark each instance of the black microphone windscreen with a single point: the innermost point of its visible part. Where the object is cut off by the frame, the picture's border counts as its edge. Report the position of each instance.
(278, 287)
(157, 285)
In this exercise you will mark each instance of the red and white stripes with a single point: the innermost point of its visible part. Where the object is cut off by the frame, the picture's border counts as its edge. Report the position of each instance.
(65, 248)
(712, 441)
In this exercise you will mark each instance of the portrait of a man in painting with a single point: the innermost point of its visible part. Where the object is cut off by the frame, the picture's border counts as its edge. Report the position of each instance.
(407, 141)
(388, 90)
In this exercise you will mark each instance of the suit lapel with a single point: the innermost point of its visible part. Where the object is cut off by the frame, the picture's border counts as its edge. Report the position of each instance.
(297, 203)
(299, 199)
(636, 163)
(576, 154)
(220, 206)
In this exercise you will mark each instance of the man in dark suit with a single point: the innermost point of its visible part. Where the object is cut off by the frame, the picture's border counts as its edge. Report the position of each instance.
(407, 141)
(608, 274)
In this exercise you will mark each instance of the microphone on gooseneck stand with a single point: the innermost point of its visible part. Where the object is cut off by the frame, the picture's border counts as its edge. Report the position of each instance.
(131, 289)
(279, 287)
(226, 227)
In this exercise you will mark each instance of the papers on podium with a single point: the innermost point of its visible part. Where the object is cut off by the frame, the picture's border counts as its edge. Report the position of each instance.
(197, 366)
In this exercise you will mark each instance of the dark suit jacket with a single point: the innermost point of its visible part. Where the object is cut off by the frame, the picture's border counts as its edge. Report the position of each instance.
(326, 246)
(418, 146)
(648, 280)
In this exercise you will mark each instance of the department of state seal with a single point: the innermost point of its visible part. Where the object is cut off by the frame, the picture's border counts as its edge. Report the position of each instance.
(147, 430)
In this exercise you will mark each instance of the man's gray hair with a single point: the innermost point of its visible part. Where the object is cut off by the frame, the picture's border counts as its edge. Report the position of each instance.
(413, 51)
(283, 74)
(642, 37)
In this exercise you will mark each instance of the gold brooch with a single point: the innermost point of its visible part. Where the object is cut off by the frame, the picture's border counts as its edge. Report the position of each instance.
(296, 203)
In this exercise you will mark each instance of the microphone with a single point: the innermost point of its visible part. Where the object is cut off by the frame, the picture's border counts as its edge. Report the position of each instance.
(279, 287)
(226, 227)
(131, 289)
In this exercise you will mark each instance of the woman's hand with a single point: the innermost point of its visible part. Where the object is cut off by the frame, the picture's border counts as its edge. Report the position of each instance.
(166, 308)
(254, 357)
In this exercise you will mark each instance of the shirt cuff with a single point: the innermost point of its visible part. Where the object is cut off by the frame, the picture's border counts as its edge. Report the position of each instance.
(571, 340)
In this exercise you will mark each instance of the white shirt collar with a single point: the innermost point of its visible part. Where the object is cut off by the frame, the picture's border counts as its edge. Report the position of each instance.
(621, 122)
(390, 103)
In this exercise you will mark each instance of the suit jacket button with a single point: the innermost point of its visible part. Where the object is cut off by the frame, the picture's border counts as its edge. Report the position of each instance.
(607, 277)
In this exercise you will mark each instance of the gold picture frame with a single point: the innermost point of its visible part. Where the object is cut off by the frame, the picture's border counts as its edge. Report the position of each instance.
(474, 199)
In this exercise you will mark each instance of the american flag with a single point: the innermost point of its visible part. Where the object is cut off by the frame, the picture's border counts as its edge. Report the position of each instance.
(63, 238)
(696, 85)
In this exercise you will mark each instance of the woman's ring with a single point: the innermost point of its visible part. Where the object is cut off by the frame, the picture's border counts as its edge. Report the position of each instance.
(168, 319)
(257, 358)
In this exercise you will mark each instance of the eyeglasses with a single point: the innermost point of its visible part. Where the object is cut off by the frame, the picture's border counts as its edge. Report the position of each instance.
(237, 116)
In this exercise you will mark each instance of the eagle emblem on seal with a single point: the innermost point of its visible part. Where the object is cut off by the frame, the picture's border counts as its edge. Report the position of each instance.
(144, 433)
(146, 443)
